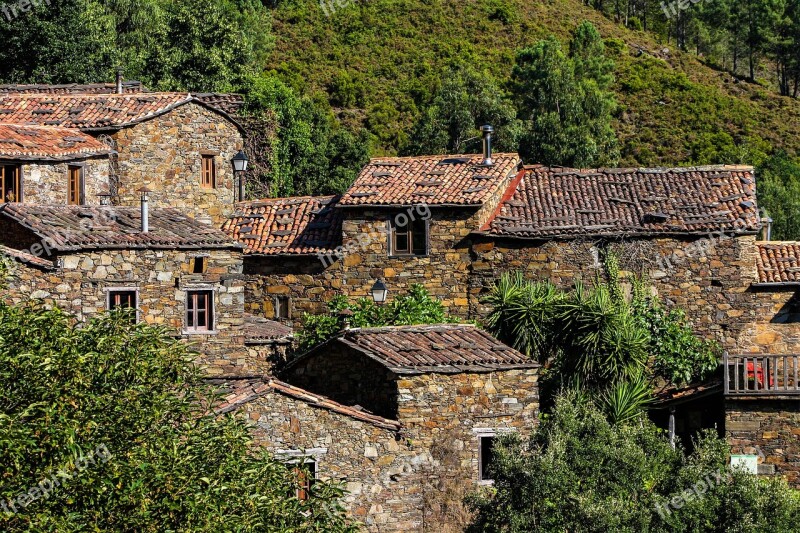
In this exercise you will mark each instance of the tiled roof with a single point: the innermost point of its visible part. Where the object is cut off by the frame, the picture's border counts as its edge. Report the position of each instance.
(432, 179)
(446, 348)
(72, 227)
(231, 103)
(778, 262)
(548, 202)
(260, 329)
(87, 111)
(287, 226)
(675, 394)
(72, 88)
(24, 257)
(47, 143)
(241, 391)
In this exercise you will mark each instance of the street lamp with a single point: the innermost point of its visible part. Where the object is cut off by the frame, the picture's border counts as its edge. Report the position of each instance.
(240, 162)
(379, 292)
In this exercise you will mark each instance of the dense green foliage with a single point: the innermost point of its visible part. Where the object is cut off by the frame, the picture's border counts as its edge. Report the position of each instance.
(578, 472)
(116, 413)
(416, 307)
(566, 102)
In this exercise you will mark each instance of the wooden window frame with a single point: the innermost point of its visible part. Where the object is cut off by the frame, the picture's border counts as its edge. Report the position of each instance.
(208, 171)
(192, 311)
(111, 291)
(411, 230)
(17, 178)
(276, 305)
(81, 192)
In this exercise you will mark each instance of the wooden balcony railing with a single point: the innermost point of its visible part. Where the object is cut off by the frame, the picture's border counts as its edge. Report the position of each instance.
(761, 375)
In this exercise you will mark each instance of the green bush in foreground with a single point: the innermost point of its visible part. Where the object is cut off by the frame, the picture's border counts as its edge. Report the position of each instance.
(103, 428)
(578, 472)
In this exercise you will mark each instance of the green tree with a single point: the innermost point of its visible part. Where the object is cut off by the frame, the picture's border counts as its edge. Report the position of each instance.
(779, 194)
(566, 102)
(417, 307)
(121, 411)
(578, 472)
(466, 100)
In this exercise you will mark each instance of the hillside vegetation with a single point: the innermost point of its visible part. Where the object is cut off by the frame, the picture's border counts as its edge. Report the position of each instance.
(380, 62)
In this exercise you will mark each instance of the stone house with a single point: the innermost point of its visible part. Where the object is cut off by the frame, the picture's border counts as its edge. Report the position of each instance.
(406, 416)
(175, 144)
(182, 274)
(47, 164)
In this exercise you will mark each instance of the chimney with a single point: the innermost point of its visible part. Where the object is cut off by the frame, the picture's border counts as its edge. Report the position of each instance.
(145, 209)
(120, 90)
(766, 223)
(487, 131)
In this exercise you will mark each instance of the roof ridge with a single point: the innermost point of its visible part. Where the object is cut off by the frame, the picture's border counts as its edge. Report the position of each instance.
(440, 156)
(441, 325)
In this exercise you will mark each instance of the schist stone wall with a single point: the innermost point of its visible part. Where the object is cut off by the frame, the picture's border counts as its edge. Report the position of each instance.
(164, 154)
(708, 278)
(768, 428)
(778, 329)
(80, 283)
(381, 470)
(47, 183)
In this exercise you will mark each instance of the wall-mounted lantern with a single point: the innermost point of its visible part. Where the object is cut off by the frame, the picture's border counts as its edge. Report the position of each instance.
(379, 292)
(240, 162)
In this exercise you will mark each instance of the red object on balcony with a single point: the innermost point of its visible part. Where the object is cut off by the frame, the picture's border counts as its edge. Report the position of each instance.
(752, 372)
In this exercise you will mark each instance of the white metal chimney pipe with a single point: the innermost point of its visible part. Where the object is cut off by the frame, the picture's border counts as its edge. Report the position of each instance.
(145, 209)
(487, 131)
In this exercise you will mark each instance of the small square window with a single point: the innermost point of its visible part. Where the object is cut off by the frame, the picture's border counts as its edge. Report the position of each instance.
(486, 453)
(199, 311)
(409, 237)
(123, 299)
(199, 265)
(208, 171)
(306, 476)
(283, 307)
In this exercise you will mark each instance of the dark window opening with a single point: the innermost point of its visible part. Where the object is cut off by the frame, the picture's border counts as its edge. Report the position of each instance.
(409, 237)
(10, 183)
(486, 451)
(123, 300)
(790, 312)
(209, 172)
(75, 195)
(199, 266)
(282, 307)
(199, 310)
(306, 476)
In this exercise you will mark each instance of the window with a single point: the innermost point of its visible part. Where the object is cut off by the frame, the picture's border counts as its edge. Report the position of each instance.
(75, 191)
(282, 306)
(409, 237)
(306, 475)
(126, 299)
(486, 453)
(199, 310)
(199, 265)
(209, 172)
(10, 183)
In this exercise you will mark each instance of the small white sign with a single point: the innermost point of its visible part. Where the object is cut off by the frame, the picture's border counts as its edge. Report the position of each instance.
(748, 463)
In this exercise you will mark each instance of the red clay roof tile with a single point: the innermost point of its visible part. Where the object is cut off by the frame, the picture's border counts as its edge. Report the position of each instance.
(36, 143)
(432, 179)
(550, 202)
(778, 262)
(302, 225)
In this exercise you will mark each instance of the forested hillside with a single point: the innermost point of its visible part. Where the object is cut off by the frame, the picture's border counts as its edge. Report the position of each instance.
(347, 79)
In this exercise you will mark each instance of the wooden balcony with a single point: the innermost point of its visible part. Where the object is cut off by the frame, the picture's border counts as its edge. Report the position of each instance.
(761, 375)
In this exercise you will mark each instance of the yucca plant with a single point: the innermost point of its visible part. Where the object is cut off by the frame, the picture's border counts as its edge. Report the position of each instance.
(626, 400)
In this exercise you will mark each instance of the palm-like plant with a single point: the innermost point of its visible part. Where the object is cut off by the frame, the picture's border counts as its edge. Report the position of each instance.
(625, 400)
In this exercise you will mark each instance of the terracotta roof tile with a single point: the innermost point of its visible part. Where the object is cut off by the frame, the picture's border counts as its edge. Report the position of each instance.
(447, 348)
(87, 111)
(103, 227)
(239, 392)
(287, 226)
(25, 257)
(47, 143)
(778, 262)
(260, 329)
(431, 179)
(548, 202)
(72, 88)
